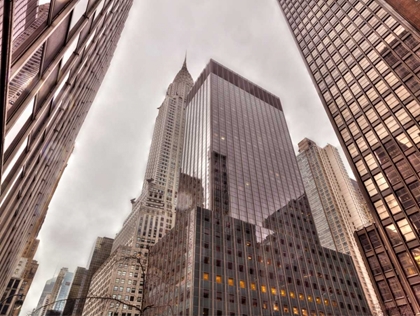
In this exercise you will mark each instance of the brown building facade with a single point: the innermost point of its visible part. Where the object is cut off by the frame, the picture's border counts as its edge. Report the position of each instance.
(364, 59)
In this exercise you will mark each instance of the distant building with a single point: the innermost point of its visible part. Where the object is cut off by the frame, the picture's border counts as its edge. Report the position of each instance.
(54, 55)
(83, 277)
(45, 298)
(336, 206)
(244, 241)
(54, 295)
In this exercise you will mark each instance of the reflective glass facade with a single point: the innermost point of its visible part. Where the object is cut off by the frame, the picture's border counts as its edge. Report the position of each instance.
(365, 62)
(54, 56)
(244, 241)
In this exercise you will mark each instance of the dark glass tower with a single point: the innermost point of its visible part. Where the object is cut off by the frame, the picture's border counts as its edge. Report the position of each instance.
(365, 62)
(52, 61)
(244, 242)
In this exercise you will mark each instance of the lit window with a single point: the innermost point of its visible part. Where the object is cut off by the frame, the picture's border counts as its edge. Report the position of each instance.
(392, 204)
(263, 289)
(310, 298)
(292, 294)
(273, 291)
(230, 282)
(218, 279)
(205, 276)
(276, 306)
(283, 292)
(253, 287)
(295, 311)
(318, 300)
(326, 302)
(242, 284)
(381, 182)
(301, 296)
(406, 230)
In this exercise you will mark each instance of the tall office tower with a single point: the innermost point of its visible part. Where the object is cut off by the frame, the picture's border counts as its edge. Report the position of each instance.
(50, 72)
(20, 282)
(153, 212)
(83, 277)
(335, 206)
(244, 241)
(44, 299)
(55, 293)
(365, 61)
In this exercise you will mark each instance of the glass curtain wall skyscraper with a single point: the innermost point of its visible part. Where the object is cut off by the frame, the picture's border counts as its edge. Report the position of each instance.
(54, 56)
(153, 212)
(244, 241)
(364, 59)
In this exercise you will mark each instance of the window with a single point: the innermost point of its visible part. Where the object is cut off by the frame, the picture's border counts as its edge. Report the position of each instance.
(263, 288)
(384, 290)
(242, 284)
(381, 210)
(273, 291)
(407, 264)
(374, 265)
(370, 187)
(393, 234)
(406, 230)
(230, 282)
(218, 279)
(381, 182)
(205, 276)
(392, 204)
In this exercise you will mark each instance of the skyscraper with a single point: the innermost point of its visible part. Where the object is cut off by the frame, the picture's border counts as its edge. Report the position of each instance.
(244, 242)
(82, 279)
(335, 206)
(53, 59)
(364, 58)
(153, 212)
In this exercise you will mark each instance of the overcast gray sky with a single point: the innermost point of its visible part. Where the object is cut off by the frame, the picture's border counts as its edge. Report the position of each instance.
(106, 169)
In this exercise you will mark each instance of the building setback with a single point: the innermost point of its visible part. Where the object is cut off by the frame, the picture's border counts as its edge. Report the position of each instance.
(52, 61)
(153, 212)
(364, 58)
(336, 206)
(244, 242)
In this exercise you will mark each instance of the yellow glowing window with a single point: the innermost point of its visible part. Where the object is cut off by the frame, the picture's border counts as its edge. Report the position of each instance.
(242, 284)
(276, 306)
(326, 302)
(205, 276)
(283, 292)
(292, 294)
(318, 300)
(263, 289)
(249, 257)
(230, 282)
(310, 298)
(218, 279)
(273, 291)
(253, 287)
(301, 296)
(304, 312)
(295, 311)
